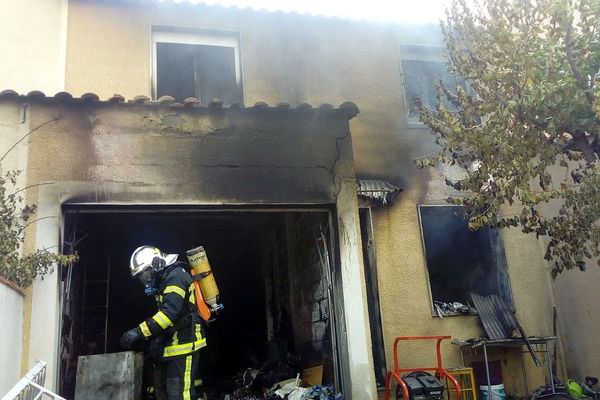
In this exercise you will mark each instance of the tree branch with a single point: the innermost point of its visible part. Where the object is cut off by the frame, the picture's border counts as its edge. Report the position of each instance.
(32, 186)
(34, 221)
(571, 60)
(27, 134)
(581, 143)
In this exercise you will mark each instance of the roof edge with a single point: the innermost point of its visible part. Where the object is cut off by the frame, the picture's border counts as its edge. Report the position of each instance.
(347, 108)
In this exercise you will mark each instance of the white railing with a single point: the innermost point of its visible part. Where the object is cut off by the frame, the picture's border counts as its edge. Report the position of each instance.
(31, 386)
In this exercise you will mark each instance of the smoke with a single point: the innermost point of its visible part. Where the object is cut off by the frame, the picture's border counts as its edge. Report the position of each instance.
(376, 10)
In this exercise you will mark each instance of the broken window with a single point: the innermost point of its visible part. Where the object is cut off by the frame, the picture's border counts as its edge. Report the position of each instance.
(422, 66)
(203, 66)
(461, 261)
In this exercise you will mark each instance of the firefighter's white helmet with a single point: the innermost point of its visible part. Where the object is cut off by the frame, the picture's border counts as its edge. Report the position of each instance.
(142, 258)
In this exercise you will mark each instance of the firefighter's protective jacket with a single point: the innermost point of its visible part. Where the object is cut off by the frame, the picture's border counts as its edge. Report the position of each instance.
(176, 327)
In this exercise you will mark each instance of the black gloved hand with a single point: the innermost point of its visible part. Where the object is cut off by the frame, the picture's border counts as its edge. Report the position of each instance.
(130, 337)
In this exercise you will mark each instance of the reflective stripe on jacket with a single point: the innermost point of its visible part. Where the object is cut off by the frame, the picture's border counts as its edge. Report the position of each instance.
(176, 318)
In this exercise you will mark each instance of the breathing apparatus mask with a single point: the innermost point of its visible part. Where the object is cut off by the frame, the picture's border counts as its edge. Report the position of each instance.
(149, 279)
(147, 264)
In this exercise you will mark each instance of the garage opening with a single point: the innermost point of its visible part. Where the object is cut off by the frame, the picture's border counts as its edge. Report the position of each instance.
(273, 269)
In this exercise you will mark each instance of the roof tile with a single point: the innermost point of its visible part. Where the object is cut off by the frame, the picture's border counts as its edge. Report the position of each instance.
(261, 104)
(349, 109)
(140, 99)
(116, 98)
(63, 96)
(216, 103)
(36, 93)
(191, 101)
(90, 97)
(166, 100)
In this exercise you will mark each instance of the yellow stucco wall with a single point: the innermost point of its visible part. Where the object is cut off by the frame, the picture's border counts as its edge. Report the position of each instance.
(306, 59)
(577, 300)
(406, 303)
(284, 58)
(33, 45)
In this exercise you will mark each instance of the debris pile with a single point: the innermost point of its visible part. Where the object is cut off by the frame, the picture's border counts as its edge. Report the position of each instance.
(255, 384)
(444, 309)
(276, 374)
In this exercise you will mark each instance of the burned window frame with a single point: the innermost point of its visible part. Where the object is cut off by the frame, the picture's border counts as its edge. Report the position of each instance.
(373, 297)
(201, 37)
(504, 284)
(417, 53)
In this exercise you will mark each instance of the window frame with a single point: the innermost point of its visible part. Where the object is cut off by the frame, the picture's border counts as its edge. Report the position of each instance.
(374, 311)
(407, 55)
(510, 301)
(196, 37)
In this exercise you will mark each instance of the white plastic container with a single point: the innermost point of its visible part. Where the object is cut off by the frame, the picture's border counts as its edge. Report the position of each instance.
(498, 392)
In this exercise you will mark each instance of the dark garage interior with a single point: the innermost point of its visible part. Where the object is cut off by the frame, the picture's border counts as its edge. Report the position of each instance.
(271, 267)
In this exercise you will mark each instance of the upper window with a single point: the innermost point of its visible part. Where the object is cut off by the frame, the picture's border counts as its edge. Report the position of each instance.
(461, 261)
(422, 66)
(204, 66)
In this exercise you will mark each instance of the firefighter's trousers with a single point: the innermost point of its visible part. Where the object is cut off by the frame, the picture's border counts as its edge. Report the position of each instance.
(174, 379)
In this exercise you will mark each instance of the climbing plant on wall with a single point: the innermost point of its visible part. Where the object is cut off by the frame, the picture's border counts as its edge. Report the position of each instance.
(21, 268)
(15, 217)
(524, 129)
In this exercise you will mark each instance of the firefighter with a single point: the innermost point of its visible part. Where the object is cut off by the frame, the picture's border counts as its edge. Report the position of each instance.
(174, 334)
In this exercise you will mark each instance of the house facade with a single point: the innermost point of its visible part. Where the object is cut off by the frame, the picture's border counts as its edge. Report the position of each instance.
(138, 138)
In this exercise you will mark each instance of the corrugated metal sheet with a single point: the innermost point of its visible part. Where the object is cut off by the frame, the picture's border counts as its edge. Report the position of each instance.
(497, 320)
(380, 191)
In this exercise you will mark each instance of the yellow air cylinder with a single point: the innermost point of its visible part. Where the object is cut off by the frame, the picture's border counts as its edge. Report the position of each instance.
(206, 283)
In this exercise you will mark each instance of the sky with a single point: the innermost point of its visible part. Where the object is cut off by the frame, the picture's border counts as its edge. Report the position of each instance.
(418, 11)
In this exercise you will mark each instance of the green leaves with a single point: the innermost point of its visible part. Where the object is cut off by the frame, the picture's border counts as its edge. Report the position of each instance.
(22, 270)
(529, 119)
